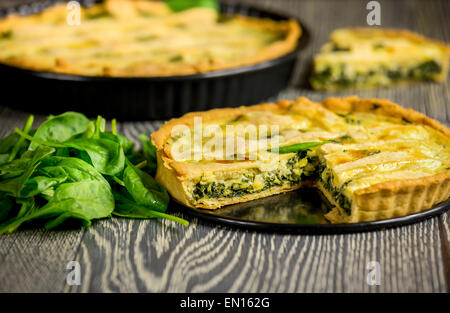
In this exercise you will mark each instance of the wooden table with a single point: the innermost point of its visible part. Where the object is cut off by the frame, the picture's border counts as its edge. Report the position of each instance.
(153, 255)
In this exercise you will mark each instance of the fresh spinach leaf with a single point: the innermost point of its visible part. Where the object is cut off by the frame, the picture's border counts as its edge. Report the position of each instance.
(54, 171)
(149, 152)
(84, 200)
(105, 155)
(181, 5)
(60, 128)
(28, 205)
(6, 205)
(6, 146)
(19, 144)
(144, 189)
(7, 143)
(14, 186)
(127, 144)
(72, 168)
(297, 147)
(65, 169)
(14, 145)
(40, 184)
(14, 168)
(4, 158)
(127, 207)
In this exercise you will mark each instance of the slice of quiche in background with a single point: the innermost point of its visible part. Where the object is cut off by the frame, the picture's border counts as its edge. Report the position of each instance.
(361, 58)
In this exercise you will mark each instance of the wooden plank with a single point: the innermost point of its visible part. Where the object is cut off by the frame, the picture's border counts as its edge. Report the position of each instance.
(126, 255)
(159, 256)
(444, 234)
(35, 260)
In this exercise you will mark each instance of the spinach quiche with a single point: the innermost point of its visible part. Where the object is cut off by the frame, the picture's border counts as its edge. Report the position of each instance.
(371, 57)
(372, 159)
(125, 38)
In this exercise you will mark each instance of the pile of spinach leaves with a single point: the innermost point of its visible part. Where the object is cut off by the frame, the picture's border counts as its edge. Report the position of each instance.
(71, 167)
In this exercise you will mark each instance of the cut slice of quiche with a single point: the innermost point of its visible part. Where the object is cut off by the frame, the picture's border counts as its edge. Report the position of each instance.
(372, 57)
(371, 158)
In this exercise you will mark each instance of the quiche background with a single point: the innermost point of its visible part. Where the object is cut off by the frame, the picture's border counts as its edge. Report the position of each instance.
(123, 38)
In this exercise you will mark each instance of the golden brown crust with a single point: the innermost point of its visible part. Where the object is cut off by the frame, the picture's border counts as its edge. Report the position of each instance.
(398, 197)
(395, 200)
(402, 33)
(161, 137)
(379, 201)
(163, 134)
(382, 107)
(271, 52)
(175, 183)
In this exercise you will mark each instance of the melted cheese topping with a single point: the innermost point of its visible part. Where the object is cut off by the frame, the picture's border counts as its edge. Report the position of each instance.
(366, 48)
(364, 149)
(139, 38)
(389, 150)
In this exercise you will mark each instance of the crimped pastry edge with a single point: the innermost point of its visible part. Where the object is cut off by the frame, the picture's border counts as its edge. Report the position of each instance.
(397, 197)
(423, 192)
(390, 203)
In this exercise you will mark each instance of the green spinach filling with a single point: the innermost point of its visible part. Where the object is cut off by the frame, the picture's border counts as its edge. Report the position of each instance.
(337, 193)
(423, 71)
(295, 173)
(315, 168)
(337, 48)
(7, 34)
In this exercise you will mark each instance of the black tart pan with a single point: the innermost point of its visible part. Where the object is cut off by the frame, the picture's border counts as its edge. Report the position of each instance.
(141, 98)
(298, 212)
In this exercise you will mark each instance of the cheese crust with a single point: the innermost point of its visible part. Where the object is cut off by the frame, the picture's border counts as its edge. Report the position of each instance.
(373, 57)
(380, 160)
(124, 38)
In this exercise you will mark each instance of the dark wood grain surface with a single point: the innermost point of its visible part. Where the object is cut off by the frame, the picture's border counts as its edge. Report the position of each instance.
(153, 255)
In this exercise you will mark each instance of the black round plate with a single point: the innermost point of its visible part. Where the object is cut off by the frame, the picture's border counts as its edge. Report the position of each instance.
(299, 211)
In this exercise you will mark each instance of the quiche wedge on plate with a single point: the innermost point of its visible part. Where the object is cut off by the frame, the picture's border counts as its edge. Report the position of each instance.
(363, 58)
(372, 158)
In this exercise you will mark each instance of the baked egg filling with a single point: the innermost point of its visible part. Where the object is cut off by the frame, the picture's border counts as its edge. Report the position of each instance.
(291, 171)
(353, 151)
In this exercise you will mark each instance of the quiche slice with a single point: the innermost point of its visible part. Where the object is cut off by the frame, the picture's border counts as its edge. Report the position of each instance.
(372, 57)
(371, 158)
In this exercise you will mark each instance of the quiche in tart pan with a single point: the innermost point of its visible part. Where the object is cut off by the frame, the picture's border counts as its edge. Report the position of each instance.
(371, 158)
(122, 64)
(376, 57)
(125, 38)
